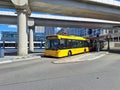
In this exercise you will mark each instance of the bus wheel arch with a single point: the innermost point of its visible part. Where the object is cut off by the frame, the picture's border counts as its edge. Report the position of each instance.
(69, 53)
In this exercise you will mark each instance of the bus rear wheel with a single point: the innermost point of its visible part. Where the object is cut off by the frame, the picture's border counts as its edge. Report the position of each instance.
(85, 51)
(69, 53)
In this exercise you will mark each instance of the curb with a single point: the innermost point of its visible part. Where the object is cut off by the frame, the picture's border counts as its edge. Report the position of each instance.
(81, 57)
(96, 57)
(71, 59)
(18, 59)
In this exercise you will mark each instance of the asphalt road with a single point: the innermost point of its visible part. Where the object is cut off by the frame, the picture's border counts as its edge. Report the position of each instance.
(100, 74)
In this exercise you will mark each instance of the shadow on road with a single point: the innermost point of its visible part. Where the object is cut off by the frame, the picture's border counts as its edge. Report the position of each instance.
(113, 50)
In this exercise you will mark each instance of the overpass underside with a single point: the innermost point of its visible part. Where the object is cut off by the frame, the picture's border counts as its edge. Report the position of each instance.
(6, 4)
(6, 19)
(79, 8)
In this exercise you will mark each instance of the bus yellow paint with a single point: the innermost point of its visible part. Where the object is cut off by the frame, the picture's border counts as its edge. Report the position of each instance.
(61, 45)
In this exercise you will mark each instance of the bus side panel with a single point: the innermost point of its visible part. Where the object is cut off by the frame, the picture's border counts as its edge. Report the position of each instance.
(87, 49)
(50, 53)
(79, 50)
(63, 53)
(56, 53)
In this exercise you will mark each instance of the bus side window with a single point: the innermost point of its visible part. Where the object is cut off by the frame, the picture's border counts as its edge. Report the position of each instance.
(80, 43)
(86, 44)
(69, 43)
(62, 43)
(75, 43)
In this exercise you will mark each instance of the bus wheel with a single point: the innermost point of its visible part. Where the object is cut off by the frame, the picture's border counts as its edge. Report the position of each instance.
(84, 50)
(69, 53)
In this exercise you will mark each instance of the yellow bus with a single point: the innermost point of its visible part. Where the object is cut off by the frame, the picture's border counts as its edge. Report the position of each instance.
(62, 45)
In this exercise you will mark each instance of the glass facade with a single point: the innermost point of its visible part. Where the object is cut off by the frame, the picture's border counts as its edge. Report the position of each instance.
(41, 32)
(84, 32)
(39, 37)
(74, 31)
(50, 30)
(8, 36)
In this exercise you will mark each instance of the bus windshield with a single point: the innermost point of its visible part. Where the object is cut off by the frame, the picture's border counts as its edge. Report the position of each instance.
(52, 44)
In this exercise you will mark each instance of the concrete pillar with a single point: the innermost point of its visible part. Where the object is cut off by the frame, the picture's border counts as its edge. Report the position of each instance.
(22, 33)
(31, 39)
(108, 48)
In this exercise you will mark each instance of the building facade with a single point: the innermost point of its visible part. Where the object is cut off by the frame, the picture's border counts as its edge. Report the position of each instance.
(50, 31)
(8, 36)
(40, 33)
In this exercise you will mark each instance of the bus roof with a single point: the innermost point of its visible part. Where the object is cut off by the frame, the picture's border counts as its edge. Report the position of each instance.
(66, 37)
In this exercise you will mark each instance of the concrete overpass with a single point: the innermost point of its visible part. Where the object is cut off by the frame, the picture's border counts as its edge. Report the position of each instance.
(58, 21)
(100, 9)
(84, 8)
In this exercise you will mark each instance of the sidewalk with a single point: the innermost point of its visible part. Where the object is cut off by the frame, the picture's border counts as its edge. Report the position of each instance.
(12, 57)
(82, 57)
